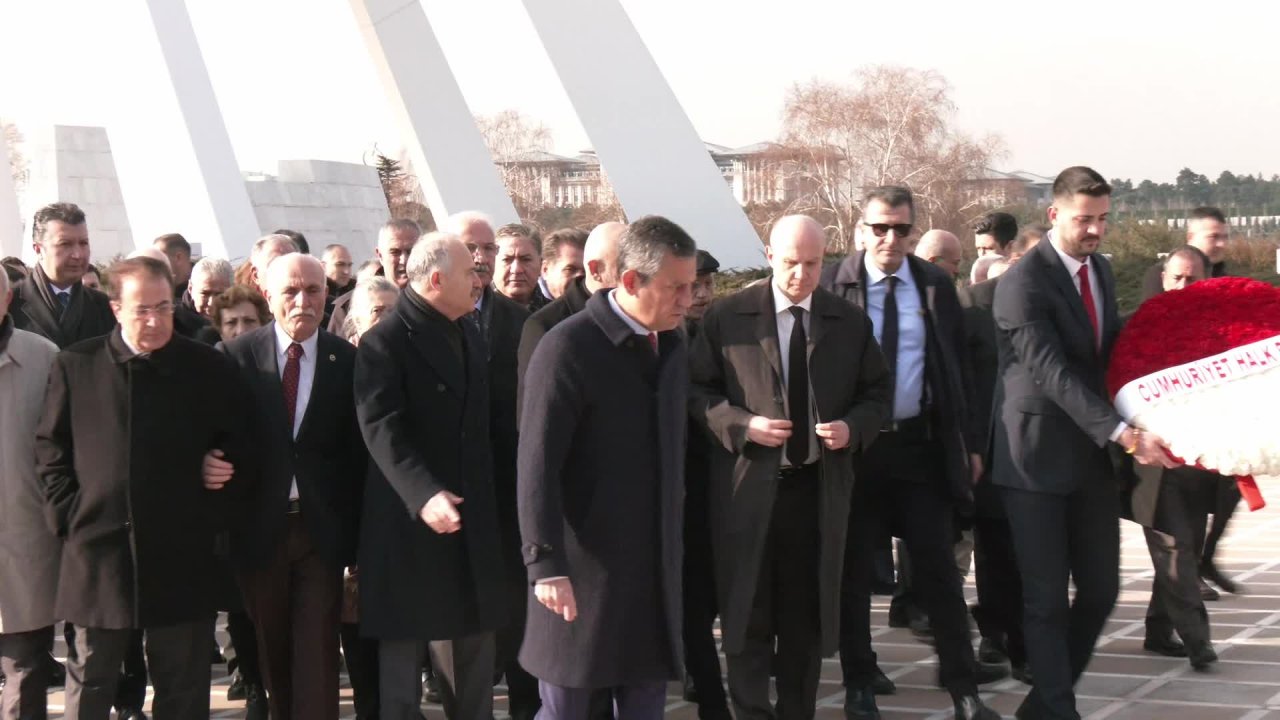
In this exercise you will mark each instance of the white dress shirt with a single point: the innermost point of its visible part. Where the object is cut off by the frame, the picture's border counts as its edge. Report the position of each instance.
(636, 327)
(786, 324)
(306, 378)
(908, 383)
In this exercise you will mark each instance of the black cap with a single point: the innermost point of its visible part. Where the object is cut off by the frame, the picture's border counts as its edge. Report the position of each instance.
(707, 263)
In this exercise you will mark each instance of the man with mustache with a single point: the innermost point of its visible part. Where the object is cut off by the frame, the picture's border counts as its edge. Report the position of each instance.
(299, 530)
(518, 262)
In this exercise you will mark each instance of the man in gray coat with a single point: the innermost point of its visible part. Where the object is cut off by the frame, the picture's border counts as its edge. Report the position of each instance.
(29, 552)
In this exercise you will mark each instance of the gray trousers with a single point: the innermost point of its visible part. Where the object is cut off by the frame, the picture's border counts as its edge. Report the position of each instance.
(24, 658)
(465, 667)
(178, 658)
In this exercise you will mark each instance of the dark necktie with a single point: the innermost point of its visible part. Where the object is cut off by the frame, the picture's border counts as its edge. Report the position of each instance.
(798, 391)
(292, 368)
(653, 342)
(889, 332)
(1086, 295)
(64, 301)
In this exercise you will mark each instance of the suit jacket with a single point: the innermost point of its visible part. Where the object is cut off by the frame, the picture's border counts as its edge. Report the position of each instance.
(1052, 413)
(948, 372)
(980, 333)
(33, 309)
(328, 457)
(570, 303)
(425, 418)
(737, 373)
(601, 483)
(119, 451)
(29, 551)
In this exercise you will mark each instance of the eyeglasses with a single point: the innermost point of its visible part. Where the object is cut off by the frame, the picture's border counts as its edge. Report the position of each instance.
(882, 229)
(145, 311)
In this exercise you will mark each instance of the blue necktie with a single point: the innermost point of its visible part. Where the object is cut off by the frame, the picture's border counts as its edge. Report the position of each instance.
(64, 301)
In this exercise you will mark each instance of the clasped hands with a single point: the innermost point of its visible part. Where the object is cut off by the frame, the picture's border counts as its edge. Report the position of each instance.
(773, 433)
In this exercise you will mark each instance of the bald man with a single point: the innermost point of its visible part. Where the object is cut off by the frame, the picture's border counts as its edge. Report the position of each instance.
(788, 380)
(942, 249)
(299, 532)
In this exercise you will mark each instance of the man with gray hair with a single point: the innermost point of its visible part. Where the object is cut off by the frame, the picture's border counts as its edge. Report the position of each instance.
(396, 239)
(604, 419)
(266, 249)
(29, 578)
(430, 560)
(210, 277)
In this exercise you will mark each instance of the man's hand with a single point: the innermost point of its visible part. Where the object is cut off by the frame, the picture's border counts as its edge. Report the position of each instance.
(767, 431)
(835, 435)
(440, 514)
(216, 471)
(1150, 450)
(975, 464)
(557, 596)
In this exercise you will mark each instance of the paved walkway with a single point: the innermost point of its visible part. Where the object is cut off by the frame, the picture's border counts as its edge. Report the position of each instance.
(1123, 682)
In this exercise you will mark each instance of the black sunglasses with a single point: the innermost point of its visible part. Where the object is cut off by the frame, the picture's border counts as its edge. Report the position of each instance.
(882, 229)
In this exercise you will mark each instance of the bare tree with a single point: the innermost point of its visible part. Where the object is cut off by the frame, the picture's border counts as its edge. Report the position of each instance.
(890, 126)
(17, 161)
(516, 143)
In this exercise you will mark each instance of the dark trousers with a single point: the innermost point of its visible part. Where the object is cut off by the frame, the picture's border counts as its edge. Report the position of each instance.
(630, 702)
(1181, 512)
(464, 667)
(999, 609)
(522, 688)
(362, 670)
(702, 663)
(1226, 501)
(244, 641)
(131, 688)
(785, 610)
(1060, 539)
(178, 656)
(24, 661)
(900, 492)
(295, 600)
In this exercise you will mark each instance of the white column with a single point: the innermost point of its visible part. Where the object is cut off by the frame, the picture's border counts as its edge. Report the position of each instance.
(455, 169)
(654, 157)
(11, 227)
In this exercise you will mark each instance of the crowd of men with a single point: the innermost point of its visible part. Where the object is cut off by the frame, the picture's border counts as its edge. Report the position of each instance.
(488, 454)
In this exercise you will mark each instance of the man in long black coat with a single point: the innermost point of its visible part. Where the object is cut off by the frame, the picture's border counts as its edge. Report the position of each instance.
(602, 440)
(121, 478)
(790, 382)
(430, 557)
(52, 302)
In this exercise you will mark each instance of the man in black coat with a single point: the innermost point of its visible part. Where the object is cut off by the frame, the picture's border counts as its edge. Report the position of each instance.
(602, 441)
(52, 302)
(430, 556)
(1056, 318)
(998, 612)
(789, 382)
(125, 493)
(299, 529)
(921, 470)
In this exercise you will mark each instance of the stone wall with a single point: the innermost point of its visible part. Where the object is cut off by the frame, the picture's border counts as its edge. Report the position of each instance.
(329, 202)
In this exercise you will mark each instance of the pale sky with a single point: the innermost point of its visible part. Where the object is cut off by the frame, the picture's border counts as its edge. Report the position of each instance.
(1137, 91)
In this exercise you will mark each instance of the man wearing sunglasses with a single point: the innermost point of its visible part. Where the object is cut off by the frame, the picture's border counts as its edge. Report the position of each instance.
(920, 469)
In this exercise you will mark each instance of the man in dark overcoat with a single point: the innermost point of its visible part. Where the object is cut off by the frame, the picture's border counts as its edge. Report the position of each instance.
(431, 571)
(788, 379)
(121, 477)
(602, 442)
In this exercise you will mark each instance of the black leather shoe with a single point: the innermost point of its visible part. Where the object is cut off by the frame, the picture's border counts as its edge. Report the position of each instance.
(881, 684)
(433, 689)
(992, 652)
(970, 707)
(921, 629)
(690, 690)
(255, 705)
(984, 673)
(860, 704)
(130, 715)
(57, 672)
(898, 616)
(1164, 645)
(1207, 593)
(1201, 656)
(1021, 673)
(236, 690)
(1210, 572)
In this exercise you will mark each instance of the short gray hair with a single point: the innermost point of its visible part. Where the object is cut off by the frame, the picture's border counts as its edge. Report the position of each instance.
(431, 254)
(398, 225)
(648, 241)
(214, 267)
(362, 297)
(267, 240)
(457, 223)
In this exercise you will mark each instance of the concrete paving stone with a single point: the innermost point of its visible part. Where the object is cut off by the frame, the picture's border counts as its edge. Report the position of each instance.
(1220, 693)
(1147, 664)
(1110, 686)
(1174, 711)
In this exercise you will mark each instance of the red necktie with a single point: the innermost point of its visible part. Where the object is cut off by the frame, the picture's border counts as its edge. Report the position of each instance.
(292, 368)
(1086, 295)
(653, 342)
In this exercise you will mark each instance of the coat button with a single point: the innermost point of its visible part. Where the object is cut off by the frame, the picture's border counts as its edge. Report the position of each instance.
(439, 387)
(128, 525)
